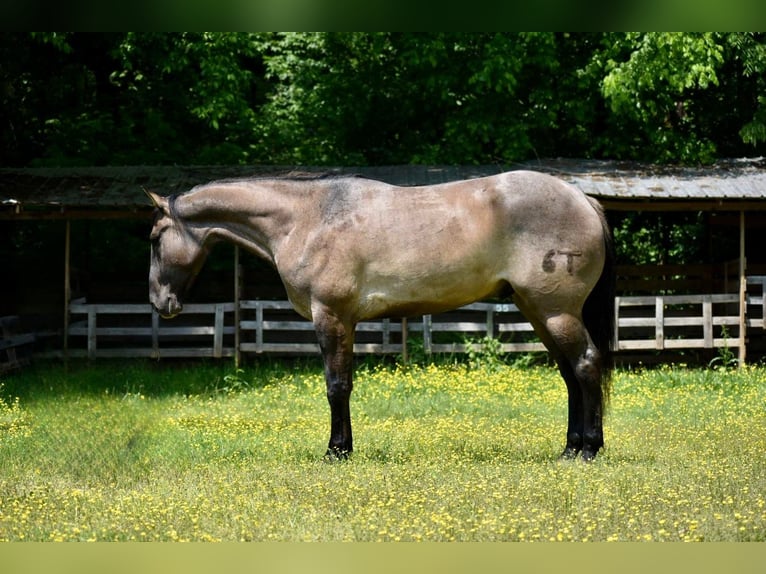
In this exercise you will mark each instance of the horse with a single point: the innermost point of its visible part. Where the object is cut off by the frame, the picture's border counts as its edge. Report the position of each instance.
(350, 249)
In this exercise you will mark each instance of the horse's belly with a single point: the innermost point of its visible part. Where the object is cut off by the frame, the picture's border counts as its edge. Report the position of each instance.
(417, 296)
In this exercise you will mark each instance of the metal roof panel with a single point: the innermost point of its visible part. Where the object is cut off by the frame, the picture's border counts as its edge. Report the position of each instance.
(120, 187)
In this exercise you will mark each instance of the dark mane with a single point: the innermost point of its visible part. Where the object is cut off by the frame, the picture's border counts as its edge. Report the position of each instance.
(310, 176)
(290, 176)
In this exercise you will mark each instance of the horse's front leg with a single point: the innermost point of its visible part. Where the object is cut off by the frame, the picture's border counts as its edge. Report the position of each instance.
(336, 341)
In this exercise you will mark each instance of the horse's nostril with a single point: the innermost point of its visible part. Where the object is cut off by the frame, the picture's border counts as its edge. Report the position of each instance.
(172, 307)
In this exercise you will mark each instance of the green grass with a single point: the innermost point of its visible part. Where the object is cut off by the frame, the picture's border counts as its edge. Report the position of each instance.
(148, 451)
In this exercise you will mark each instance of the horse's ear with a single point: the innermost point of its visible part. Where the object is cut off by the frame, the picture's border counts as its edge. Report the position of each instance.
(157, 200)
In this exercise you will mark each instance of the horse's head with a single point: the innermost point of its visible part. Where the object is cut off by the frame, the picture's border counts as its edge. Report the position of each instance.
(177, 255)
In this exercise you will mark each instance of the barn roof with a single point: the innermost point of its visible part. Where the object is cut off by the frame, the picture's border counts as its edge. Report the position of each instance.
(113, 191)
(729, 181)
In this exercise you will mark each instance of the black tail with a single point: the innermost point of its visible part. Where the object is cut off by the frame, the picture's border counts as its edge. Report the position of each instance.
(598, 311)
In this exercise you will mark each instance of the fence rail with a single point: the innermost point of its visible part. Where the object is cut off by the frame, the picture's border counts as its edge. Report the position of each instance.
(209, 330)
(757, 303)
(13, 344)
(677, 322)
(137, 330)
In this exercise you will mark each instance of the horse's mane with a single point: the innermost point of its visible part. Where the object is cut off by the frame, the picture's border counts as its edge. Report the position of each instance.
(290, 176)
(310, 176)
(293, 176)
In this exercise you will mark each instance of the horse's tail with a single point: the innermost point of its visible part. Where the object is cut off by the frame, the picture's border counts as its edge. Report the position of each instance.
(598, 311)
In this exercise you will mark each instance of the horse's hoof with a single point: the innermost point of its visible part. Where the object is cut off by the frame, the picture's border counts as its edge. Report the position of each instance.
(569, 454)
(334, 454)
(588, 455)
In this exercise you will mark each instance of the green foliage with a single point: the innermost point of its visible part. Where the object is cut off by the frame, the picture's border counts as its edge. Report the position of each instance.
(378, 98)
(726, 358)
(656, 87)
(416, 351)
(656, 239)
(485, 353)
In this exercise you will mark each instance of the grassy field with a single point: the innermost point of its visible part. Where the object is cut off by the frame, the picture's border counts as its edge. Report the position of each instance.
(148, 451)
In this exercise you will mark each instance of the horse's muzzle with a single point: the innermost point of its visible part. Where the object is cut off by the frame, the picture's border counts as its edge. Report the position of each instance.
(169, 315)
(168, 307)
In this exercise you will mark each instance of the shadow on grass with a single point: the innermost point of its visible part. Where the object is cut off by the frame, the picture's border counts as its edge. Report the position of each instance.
(147, 377)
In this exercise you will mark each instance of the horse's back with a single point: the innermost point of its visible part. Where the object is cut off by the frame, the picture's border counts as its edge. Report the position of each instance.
(379, 250)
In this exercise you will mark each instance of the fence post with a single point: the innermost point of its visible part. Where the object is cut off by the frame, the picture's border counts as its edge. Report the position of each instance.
(617, 323)
(405, 351)
(707, 321)
(91, 332)
(763, 302)
(491, 322)
(386, 327)
(427, 334)
(155, 333)
(237, 312)
(259, 327)
(659, 323)
(218, 332)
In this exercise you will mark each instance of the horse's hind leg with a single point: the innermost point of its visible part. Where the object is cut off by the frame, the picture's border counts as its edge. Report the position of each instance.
(575, 401)
(565, 336)
(581, 367)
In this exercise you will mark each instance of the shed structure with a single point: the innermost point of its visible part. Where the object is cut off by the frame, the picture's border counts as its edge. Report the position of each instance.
(732, 193)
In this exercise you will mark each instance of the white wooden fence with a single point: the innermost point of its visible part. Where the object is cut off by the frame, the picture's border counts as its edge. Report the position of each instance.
(136, 330)
(265, 334)
(756, 304)
(647, 323)
(13, 344)
(677, 322)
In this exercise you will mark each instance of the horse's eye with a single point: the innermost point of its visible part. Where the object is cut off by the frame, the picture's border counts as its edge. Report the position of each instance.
(154, 241)
(155, 234)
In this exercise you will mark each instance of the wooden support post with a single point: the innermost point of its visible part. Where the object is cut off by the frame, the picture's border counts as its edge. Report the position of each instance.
(742, 291)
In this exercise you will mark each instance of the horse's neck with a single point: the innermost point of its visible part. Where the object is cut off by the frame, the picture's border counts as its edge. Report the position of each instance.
(252, 215)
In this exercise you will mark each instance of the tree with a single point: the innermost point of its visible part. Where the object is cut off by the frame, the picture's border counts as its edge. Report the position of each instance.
(379, 98)
(401, 98)
(685, 95)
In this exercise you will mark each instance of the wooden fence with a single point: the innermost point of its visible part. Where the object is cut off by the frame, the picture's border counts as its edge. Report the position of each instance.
(136, 330)
(14, 345)
(645, 323)
(677, 322)
(756, 303)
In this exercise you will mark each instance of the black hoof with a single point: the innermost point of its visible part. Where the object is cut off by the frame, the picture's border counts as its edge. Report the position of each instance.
(569, 453)
(334, 454)
(589, 455)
